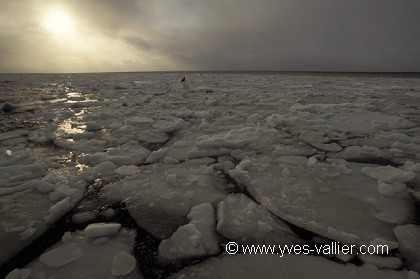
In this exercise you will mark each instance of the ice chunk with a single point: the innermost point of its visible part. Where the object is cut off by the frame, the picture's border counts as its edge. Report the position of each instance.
(152, 136)
(61, 255)
(156, 156)
(411, 166)
(204, 219)
(130, 153)
(389, 174)
(109, 259)
(44, 135)
(19, 274)
(160, 196)
(240, 138)
(367, 122)
(241, 219)
(8, 157)
(27, 212)
(293, 150)
(93, 126)
(67, 237)
(170, 161)
(84, 145)
(84, 217)
(331, 147)
(101, 229)
(123, 263)
(101, 170)
(409, 239)
(306, 195)
(311, 161)
(310, 136)
(196, 239)
(185, 243)
(10, 175)
(58, 210)
(127, 170)
(109, 213)
(390, 189)
(170, 125)
(363, 154)
(224, 166)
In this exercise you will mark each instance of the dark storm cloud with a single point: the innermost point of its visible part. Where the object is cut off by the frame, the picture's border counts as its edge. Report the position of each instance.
(326, 35)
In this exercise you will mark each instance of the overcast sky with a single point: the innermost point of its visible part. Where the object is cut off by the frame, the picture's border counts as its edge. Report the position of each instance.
(153, 35)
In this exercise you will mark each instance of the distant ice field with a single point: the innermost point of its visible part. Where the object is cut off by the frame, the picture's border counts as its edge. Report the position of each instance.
(133, 175)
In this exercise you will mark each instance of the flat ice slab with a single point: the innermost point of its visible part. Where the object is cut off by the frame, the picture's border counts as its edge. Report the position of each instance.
(77, 256)
(335, 200)
(243, 220)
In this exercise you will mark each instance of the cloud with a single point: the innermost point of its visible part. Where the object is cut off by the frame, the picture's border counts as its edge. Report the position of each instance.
(326, 35)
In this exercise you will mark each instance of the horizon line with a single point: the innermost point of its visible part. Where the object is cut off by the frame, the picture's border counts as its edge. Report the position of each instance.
(220, 71)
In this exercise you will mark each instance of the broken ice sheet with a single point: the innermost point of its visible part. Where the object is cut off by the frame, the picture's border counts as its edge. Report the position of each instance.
(33, 206)
(160, 196)
(242, 220)
(326, 199)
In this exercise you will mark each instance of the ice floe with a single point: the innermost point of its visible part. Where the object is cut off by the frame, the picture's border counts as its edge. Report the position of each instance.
(77, 256)
(241, 219)
(305, 196)
(196, 239)
(160, 196)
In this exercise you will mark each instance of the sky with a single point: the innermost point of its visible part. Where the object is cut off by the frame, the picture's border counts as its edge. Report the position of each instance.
(199, 35)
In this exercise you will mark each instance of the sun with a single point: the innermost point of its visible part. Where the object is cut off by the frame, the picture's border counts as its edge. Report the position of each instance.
(59, 23)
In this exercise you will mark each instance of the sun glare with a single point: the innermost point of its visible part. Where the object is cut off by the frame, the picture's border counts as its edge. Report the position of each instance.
(59, 23)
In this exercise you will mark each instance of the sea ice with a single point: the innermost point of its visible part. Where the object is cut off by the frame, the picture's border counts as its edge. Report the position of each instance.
(29, 210)
(196, 239)
(61, 255)
(82, 258)
(160, 196)
(305, 197)
(42, 136)
(130, 153)
(389, 174)
(84, 217)
(242, 220)
(123, 263)
(409, 239)
(19, 274)
(101, 229)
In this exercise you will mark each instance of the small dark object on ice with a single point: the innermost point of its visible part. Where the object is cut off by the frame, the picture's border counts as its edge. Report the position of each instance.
(8, 107)
(183, 79)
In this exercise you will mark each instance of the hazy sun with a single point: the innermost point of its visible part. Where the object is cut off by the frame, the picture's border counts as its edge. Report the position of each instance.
(59, 22)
